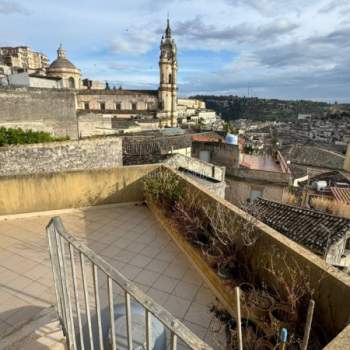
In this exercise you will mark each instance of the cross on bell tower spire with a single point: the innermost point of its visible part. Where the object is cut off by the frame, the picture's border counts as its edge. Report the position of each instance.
(168, 29)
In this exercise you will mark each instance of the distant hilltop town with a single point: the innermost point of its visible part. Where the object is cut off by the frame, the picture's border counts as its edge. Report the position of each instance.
(100, 109)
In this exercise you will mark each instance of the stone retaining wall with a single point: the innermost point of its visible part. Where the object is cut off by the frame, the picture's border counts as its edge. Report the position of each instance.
(61, 156)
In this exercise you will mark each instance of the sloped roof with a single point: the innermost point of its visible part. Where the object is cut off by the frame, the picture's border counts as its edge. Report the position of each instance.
(147, 150)
(313, 156)
(341, 194)
(332, 176)
(207, 137)
(311, 228)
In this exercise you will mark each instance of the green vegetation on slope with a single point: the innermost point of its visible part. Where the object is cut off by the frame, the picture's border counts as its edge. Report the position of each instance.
(19, 136)
(234, 107)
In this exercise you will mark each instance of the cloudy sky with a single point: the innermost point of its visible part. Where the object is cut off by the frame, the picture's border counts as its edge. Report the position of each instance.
(275, 48)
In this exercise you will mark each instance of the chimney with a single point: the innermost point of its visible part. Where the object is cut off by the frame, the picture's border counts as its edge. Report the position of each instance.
(347, 159)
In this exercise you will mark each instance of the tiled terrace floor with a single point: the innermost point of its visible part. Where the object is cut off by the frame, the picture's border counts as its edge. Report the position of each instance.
(129, 238)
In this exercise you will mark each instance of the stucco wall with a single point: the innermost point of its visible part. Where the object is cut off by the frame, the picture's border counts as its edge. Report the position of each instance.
(197, 166)
(54, 110)
(41, 192)
(261, 175)
(209, 176)
(95, 124)
(60, 156)
(221, 154)
(238, 191)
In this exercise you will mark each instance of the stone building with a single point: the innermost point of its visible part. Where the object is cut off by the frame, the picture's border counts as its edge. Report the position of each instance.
(120, 103)
(23, 58)
(99, 110)
(247, 177)
(62, 68)
(33, 80)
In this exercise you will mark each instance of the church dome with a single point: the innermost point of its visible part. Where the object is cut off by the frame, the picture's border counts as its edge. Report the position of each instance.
(61, 62)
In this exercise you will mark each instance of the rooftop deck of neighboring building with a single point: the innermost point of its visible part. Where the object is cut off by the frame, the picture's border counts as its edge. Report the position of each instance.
(129, 238)
(266, 163)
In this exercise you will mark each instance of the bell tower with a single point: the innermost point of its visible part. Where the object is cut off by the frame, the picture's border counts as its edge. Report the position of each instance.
(168, 76)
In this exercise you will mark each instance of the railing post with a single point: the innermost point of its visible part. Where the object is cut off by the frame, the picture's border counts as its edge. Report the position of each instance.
(86, 297)
(98, 306)
(173, 341)
(111, 311)
(53, 257)
(76, 296)
(60, 286)
(148, 330)
(70, 311)
(128, 320)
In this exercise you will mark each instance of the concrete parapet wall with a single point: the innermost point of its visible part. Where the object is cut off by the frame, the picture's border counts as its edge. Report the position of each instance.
(75, 189)
(197, 166)
(61, 156)
(221, 154)
(260, 175)
(52, 110)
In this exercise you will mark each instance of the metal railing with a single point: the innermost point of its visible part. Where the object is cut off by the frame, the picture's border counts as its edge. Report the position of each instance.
(92, 334)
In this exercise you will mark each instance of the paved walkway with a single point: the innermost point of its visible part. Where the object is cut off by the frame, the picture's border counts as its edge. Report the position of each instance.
(129, 238)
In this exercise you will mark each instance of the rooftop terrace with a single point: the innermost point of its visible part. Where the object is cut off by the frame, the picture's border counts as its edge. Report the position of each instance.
(130, 239)
(126, 236)
(266, 163)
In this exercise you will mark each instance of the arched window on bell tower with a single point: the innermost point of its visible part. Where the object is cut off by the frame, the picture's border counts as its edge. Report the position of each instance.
(170, 78)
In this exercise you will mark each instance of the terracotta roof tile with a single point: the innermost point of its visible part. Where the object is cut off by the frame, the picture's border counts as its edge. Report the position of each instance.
(311, 228)
(341, 194)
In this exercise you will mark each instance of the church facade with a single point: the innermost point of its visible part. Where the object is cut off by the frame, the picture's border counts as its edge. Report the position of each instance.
(121, 103)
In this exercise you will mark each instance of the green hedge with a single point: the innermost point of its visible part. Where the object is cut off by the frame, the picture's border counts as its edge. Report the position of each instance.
(19, 136)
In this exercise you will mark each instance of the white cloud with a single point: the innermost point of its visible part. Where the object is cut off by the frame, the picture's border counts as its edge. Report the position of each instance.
(134, 41)
(8, 7)
(277, 47)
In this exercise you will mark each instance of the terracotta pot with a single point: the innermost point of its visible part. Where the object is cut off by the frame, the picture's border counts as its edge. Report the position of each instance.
(200, 241)
(281, 317)
(263, 344)
(212, 255)
(247, 288)
(258, 308)
(224, 271)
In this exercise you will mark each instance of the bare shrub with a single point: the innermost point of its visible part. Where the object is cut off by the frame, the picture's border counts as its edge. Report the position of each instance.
(331, 206)
(163, 187)
(290, 198)
(290, 281)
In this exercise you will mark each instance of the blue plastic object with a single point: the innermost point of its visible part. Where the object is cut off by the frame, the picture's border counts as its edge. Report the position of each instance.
(284, 335)
(231, 139)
